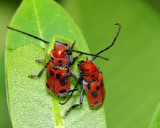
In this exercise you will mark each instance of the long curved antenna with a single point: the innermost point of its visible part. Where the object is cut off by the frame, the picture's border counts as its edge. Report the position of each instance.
(111, 44)
(28, 34)
(71, 50)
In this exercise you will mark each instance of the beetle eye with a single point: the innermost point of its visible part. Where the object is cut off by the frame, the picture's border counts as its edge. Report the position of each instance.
(83, 70)
(79, 64)
(82, 61)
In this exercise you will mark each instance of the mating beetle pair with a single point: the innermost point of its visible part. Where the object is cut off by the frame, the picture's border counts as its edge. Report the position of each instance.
(58, 62)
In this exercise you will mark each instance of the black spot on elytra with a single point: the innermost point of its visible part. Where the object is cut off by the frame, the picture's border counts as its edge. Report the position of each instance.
(55, 68)
(87, 69)
(58, 76)
(94, 94)
(60, 61)
(89, 86)
(62, 91)
(67, 70)
(96, 102)
(51, 73)
(97, 88)
(47, 85)
(63, 81)
(47, 75)
(102, 83)
(92, 75)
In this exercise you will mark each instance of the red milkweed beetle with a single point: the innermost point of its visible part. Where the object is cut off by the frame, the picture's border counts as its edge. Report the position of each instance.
(91, 80)
(58, 62)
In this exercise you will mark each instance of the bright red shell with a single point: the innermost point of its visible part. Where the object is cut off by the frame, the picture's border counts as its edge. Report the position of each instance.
(56, 82)
(95, 92)
(92, 77)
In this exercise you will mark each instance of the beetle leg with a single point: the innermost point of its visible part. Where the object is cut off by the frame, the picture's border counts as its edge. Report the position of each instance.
(39, 74)
(74, 59)
(66, 75)
(76, 105)
(73, 90)
(41, 61)
(70, 74)
(86, 57)
(73, 44)
(74, 76)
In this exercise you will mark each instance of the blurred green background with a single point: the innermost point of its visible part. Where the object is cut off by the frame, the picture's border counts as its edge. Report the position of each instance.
(132, 75)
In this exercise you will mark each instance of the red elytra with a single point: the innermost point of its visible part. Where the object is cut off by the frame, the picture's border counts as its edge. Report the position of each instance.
(56, 82)
(95, 92)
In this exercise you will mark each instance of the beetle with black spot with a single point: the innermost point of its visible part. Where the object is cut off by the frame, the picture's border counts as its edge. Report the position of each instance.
(57, 62)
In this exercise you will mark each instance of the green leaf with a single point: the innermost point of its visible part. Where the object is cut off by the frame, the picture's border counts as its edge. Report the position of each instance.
(30, 103)
(155, 123)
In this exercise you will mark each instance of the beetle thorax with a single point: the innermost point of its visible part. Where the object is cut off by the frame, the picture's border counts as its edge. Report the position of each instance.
(60, 56)
(89, 71)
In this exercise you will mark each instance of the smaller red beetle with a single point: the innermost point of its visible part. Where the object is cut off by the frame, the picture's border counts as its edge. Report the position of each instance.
(91, 80)
(92, 83)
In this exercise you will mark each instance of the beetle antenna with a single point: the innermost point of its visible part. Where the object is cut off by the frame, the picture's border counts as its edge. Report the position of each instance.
(111, 43)
(28, 34)
(71, 92)
(71, 50)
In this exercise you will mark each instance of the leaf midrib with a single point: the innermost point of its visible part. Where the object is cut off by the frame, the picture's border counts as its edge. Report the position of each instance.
(38, 23)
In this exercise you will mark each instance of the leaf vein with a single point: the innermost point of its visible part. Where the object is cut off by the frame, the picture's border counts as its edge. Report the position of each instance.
(38, 23)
